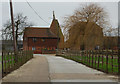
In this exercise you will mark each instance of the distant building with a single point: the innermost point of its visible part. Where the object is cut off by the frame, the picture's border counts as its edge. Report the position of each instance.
(91, 38)
(110, 42)
(43, 39)
(7, 45)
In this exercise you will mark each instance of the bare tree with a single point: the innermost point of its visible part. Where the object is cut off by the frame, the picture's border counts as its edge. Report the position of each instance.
(20, 23)
(86, 14)
(111, 32)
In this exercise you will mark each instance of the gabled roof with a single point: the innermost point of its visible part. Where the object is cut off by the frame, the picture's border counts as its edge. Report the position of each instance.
(38, 32)
(54, 26)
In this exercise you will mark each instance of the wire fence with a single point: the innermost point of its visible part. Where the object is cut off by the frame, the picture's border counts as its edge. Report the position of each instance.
(12, 61)
(102, 60)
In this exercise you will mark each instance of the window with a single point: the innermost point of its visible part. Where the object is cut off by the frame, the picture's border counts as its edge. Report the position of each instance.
(43, 40)
(34, 39)
(33, 48)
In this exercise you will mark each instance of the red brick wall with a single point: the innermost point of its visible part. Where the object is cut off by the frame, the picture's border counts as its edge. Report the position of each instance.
(40, 44)
(25, 41)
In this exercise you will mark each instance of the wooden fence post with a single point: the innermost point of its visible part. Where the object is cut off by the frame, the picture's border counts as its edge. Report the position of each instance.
(102, 60)
(14, 54)
(81, 56)
(92, 57)
(21, 58)
(8, 62)
(112, 60)
(5, 63)
(11, 61)
(95, 58)
(88, 57)
(107, 61)
(98, 59)
(119, 56)
(2, 65)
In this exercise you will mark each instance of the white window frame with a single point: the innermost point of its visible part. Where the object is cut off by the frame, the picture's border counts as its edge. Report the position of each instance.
(33, 48)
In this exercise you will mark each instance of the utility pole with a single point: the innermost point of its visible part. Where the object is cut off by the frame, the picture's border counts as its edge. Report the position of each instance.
(12, 21)
(13, 31)
(118, 43)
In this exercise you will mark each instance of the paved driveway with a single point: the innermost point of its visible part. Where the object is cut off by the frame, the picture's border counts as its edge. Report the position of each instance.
(64, 70)
(46, 68)
(35, 70)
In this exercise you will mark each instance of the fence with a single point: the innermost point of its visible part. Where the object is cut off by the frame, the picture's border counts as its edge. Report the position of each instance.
(12, 61)
(103, 60)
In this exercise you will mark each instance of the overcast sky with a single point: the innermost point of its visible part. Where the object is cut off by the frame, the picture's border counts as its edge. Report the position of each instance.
(44, 9)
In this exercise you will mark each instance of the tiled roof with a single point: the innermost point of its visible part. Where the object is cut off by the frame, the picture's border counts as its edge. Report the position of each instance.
(54, 26)
(38, 32)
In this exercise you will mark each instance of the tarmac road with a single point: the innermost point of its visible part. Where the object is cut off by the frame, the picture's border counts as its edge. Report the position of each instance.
(35, 70)
(51, 68)
(64, 70)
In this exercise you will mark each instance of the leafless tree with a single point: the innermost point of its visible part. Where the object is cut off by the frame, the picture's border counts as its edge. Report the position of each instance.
(20, 22)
